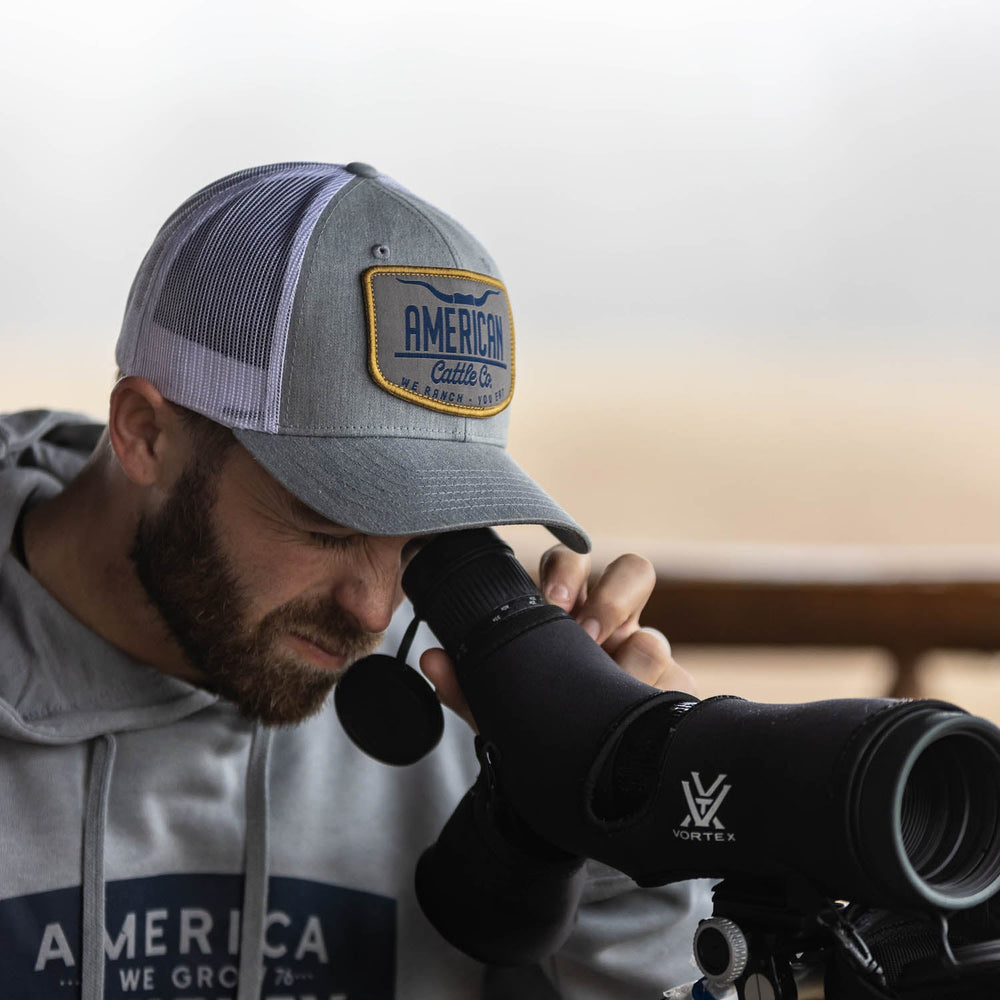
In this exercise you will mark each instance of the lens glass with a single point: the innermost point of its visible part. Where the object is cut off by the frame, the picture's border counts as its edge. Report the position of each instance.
(949, 820)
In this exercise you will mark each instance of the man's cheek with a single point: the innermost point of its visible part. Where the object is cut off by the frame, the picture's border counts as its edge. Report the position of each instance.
(272, 577)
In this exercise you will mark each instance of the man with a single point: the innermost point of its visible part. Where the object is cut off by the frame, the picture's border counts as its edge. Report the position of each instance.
(315, 369)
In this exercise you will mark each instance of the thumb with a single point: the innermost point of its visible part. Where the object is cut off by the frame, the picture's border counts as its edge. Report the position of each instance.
(440, 671)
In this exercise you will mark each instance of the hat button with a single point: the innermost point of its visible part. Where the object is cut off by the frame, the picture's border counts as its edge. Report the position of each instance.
(361, 169)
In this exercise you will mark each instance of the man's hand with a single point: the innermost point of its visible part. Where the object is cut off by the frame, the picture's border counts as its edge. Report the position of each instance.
(609, 613)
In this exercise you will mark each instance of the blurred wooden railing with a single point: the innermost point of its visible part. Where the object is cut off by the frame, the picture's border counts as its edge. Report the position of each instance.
(906, 600)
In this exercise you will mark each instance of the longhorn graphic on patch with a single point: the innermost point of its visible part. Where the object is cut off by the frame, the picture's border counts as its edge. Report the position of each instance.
(457, 298)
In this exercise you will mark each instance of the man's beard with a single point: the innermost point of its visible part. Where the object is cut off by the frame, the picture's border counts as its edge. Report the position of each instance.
(191, 582)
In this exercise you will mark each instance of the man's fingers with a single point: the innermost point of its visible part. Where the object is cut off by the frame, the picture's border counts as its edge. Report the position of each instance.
(563, 574)
(438, 669)
(646, 655)
(610, 613)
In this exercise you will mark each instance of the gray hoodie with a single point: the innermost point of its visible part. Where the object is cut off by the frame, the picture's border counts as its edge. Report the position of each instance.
(154, 844)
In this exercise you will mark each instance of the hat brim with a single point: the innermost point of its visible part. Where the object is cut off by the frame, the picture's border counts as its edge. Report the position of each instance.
(408, 486)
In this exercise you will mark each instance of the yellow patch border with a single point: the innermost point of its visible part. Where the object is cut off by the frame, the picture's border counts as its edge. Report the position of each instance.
(415, 397)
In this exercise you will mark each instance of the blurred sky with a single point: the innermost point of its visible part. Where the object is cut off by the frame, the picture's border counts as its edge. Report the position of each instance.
(686, 175)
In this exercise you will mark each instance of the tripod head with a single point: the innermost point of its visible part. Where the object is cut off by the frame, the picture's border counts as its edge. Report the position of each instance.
(783, 942)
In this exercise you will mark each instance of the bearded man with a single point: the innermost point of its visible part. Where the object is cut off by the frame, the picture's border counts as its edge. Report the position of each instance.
(315, 374)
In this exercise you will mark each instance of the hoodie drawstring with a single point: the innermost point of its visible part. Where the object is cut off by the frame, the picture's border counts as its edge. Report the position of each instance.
(95, 822)
(255, 880)
(254, 915)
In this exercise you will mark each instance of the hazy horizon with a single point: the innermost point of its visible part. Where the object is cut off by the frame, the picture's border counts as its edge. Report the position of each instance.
(778, 177)
(750, 247)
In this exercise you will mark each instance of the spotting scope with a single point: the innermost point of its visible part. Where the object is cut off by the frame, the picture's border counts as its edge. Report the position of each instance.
(894, 804)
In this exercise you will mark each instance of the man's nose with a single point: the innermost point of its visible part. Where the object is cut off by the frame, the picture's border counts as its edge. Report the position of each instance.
(371, 591)
(371, 605)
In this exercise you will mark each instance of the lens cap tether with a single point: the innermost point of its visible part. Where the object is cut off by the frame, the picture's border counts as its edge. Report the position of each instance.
(387, 709)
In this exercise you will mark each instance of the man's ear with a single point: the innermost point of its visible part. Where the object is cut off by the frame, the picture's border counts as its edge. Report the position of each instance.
(145, 432)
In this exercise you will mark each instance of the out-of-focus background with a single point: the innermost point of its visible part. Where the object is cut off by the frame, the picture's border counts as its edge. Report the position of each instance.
(751, 247)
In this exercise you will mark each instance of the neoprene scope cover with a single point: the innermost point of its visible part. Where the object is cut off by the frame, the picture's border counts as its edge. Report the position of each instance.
(886, 802)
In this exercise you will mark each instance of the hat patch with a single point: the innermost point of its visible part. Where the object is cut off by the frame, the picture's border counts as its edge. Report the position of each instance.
(441, 337)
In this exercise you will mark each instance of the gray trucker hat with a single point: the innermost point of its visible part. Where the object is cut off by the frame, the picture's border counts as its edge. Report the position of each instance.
(358, 341)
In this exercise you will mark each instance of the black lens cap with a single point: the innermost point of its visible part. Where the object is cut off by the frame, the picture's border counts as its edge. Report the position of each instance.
(389, 710)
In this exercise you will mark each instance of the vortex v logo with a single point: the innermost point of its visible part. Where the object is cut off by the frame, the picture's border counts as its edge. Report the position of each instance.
(704, 803)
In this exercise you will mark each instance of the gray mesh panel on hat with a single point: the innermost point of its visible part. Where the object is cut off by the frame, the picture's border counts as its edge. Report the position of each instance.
(221, 288)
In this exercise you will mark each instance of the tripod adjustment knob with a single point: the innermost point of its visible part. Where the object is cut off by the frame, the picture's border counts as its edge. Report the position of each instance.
(720, 949)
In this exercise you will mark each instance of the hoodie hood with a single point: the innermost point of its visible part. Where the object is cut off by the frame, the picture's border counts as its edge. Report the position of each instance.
(107, 691)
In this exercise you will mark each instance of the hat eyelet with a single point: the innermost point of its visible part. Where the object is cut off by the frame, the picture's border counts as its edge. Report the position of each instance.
(380, 251)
